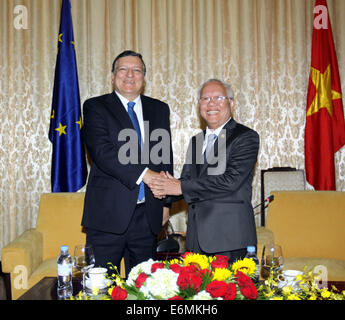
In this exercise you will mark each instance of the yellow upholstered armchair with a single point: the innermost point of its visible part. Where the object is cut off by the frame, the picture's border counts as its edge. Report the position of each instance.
(36, 250)
(310, 227)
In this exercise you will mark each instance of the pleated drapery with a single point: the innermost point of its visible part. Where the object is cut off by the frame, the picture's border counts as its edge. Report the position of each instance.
(261, 47)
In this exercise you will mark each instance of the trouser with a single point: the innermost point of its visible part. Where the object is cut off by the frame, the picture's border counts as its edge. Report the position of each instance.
(194, 246)
(136, 245)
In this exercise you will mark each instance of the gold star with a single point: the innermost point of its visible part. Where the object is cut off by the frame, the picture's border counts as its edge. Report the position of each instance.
(53, 115)
(61, 129)
(60, 37)
(324, 93)
(80, 123)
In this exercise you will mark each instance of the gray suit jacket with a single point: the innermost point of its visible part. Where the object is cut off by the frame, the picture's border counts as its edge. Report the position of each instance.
(220, 195)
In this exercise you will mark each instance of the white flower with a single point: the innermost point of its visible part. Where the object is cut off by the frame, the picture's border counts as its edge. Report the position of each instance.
(202, 295)
(162, 284)
(147, 265)
(139, 268)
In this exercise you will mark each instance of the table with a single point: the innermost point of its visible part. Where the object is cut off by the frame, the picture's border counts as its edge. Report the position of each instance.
(46, 289)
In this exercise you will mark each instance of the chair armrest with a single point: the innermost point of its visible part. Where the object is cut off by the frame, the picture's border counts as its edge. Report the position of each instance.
(26, 250)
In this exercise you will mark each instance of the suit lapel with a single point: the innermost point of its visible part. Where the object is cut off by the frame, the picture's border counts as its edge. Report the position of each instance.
(147, 116)
(223, 138)
(114, 104)
(199, 156)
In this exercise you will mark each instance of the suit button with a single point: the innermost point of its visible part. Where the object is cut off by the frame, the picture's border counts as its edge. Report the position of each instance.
(193, 206)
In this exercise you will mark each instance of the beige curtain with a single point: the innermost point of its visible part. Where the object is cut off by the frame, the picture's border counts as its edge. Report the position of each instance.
(261, 47)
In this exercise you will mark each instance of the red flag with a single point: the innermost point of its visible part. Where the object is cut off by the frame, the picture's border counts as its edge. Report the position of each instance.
(325, 126)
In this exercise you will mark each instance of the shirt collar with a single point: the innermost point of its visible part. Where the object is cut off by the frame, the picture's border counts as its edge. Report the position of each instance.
(215, 131)
(124, 100)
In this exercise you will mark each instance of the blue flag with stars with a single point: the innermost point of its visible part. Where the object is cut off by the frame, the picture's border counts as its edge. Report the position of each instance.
(68, 171)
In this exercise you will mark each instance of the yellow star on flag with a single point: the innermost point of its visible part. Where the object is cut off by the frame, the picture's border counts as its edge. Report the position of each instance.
(60, 37)
(61, 129)
(324, 93)
(80, 123)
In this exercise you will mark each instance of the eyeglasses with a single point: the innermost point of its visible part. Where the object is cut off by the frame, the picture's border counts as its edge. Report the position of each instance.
(217, 99)
(124, 70)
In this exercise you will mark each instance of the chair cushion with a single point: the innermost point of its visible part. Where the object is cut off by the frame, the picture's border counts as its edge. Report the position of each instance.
(335, 268)
(59, 221)
(47, 268)
(265, 236)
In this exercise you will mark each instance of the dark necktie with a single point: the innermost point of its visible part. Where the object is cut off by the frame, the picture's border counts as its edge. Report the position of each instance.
(136, 126)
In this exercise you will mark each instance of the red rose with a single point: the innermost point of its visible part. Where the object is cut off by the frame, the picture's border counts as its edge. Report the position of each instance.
(222, 258)
(196, 282)
(118, 293)
(141, 279)
(189, 280)
(156, 266)
(189, 269)
(231, 292)
(249, 291)
(176, 268)
(243, 279)
(216, 288)
(219, 264)
(176, 298)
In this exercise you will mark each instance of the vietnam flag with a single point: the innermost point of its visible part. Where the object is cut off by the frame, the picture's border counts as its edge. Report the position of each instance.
(325, 126)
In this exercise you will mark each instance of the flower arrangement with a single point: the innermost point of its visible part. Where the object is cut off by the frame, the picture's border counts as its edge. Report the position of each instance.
(199, 277)
(192, 277)
(306, 288)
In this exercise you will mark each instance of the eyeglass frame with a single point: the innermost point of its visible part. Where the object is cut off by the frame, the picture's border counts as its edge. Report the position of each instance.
(215, 99)
(125, 70)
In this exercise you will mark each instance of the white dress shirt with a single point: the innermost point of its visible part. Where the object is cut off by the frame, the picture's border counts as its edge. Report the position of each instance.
(139, 112)
(210, 131)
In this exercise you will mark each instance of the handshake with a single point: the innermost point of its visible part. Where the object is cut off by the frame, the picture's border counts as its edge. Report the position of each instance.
(162, 184)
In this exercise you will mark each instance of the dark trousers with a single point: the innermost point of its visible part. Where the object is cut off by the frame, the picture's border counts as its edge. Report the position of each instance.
(136, 245)
(233, 255)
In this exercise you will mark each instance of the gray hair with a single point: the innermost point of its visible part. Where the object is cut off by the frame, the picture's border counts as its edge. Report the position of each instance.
(227, 87)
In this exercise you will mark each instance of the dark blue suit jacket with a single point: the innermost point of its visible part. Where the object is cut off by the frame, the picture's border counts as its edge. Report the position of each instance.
(111, 193)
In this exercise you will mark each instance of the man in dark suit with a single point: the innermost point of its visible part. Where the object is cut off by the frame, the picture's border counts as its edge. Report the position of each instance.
(121, 215)
(216, 180)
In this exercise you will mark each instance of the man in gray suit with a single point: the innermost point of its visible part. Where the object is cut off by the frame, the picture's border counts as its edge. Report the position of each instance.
(216, 179)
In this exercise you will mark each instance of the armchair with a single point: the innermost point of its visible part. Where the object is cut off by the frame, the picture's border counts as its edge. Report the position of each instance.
(32, 256)
(309, 225)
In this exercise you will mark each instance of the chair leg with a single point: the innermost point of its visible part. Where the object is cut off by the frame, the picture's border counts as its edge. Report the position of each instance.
(7, 280)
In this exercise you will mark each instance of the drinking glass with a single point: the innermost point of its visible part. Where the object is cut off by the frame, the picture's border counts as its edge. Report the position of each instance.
(84, 259)
(272, 260)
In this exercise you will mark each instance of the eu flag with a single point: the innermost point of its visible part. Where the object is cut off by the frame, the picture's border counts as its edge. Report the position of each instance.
(69, 171)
